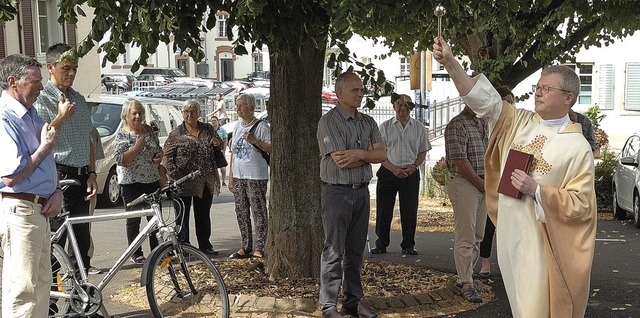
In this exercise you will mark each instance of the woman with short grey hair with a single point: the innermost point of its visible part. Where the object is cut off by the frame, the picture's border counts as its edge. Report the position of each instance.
(248, 176)
(188, 148)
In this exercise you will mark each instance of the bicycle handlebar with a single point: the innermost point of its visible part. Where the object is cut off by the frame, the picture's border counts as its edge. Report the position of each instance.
(169, 187)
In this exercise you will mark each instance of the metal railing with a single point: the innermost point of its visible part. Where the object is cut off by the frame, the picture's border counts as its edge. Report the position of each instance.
(440, 113)
(435, 119)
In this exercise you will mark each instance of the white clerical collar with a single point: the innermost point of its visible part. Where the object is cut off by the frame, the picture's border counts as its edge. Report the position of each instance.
(560, 123)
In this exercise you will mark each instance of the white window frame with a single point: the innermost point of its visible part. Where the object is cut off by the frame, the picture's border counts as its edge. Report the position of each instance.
(46, 17)
(586, 89)
(222, 25)
(258, 63)
(405, 66)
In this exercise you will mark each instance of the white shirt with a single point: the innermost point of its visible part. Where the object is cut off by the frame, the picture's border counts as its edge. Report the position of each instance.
(403, 144)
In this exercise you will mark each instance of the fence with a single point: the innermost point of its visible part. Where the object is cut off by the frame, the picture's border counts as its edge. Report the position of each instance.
(440, 113)
(436, 119)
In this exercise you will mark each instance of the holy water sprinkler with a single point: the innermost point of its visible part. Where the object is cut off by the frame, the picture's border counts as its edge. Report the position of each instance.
(439, 11)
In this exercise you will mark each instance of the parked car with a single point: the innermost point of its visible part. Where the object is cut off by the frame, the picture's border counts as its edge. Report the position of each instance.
(228, 127)
(626, 181)
(117, 83)
(197, 81)
(239, 86)
(259, 76)
(168, 72)
(328, 96)
(158, 79)
(162, 114)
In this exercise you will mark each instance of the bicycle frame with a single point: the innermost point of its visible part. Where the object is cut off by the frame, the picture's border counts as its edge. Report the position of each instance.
(155, 223)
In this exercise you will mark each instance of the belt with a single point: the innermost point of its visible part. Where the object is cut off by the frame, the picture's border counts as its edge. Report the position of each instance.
(25, 196)
(74, 171)
(350, 185)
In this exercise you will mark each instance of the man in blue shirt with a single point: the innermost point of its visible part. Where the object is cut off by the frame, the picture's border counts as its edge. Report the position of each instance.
(28, 190)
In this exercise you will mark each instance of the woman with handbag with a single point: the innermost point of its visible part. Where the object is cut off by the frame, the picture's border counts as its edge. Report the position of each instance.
(188, 148)
(248, 176)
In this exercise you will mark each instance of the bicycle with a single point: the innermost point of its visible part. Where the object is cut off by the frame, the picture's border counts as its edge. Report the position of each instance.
(178, 278)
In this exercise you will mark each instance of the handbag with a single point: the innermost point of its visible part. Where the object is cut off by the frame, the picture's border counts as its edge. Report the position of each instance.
(265, 155)
(218, 155)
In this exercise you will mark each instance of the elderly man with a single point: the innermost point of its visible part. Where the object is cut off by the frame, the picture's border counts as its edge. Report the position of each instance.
(406, 142)
(546, 239)
(28, 190)
(349, 142)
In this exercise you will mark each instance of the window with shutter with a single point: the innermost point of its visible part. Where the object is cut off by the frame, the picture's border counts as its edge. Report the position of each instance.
(632, 87)
(605, 87)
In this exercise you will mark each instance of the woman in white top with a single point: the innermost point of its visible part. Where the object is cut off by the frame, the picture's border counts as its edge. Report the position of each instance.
(248, 176)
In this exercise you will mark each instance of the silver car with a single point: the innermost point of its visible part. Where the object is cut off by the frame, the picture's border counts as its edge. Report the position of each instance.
(626, 181)
(162, 114)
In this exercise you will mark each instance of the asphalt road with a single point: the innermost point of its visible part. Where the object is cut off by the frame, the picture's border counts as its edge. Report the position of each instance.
(615, 281)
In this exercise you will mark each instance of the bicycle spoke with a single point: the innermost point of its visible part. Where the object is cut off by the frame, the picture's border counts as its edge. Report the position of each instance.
(61, 284)
(192, 287)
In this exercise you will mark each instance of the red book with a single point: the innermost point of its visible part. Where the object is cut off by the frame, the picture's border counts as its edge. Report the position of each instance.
(515, 160)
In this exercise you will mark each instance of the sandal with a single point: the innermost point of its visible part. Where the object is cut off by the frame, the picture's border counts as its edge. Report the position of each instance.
(258, 254)
(138, 259)
(240, 254)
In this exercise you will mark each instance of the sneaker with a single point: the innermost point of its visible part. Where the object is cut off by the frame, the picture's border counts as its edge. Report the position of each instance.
(94, 271)
(470, 294)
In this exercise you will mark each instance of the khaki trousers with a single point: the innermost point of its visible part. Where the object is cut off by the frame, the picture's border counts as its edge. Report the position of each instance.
(26, 272)
(470, 215)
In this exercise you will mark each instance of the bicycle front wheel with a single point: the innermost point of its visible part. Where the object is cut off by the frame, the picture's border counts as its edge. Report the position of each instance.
(185, 284)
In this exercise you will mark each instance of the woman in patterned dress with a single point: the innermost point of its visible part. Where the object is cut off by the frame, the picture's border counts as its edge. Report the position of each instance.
(188, 148)
(138, 155)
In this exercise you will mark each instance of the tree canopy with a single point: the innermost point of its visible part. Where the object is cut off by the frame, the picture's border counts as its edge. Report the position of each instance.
(506, 40)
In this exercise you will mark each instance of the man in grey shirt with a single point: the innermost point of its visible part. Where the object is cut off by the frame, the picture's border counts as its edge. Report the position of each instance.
(349, 142)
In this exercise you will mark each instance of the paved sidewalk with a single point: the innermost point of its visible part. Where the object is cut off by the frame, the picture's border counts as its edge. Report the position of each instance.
(435, 253)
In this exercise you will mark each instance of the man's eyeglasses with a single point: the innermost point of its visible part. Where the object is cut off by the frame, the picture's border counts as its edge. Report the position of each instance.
(545, 89)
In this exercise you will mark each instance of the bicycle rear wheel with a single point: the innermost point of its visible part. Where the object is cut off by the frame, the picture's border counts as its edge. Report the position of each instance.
(169, 291)
(62, 283)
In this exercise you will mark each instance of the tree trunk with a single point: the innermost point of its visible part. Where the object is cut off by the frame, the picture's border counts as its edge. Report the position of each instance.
(295, 236)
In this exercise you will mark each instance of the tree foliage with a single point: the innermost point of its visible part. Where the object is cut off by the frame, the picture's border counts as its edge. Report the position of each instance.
(506, 40)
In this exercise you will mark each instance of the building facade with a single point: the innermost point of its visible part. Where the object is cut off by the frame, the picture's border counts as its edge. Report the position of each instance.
(36, 27)
(220, 62)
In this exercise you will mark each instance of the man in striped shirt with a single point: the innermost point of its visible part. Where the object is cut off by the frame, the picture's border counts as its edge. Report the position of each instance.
(349, 143)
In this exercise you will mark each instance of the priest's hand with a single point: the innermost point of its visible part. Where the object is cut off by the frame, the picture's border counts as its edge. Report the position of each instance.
(523, 182)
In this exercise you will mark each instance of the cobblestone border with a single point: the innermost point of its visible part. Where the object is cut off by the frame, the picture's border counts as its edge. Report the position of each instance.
(440, 301)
